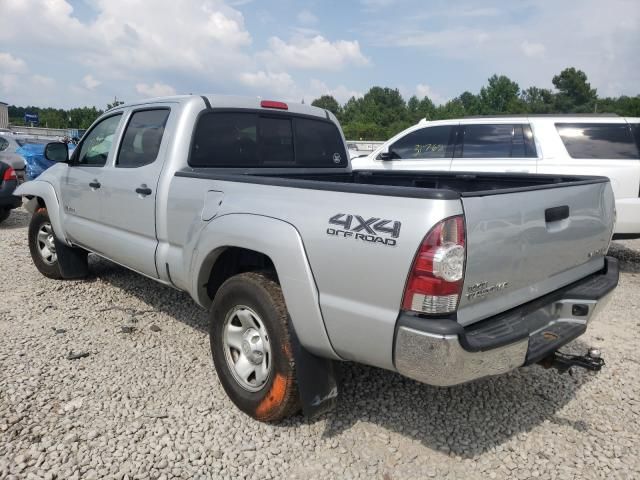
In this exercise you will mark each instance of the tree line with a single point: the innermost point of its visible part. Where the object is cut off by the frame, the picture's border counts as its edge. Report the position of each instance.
(80, 118)
(382, 112)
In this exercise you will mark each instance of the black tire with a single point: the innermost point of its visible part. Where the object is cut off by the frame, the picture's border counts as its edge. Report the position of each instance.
(278, 398)
(50, 269)
(71, 262)
(4, 214)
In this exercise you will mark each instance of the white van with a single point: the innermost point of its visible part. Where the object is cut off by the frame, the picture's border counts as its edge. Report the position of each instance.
(606, 145)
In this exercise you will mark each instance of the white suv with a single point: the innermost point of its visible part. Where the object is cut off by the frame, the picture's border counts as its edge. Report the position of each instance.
(606, 145)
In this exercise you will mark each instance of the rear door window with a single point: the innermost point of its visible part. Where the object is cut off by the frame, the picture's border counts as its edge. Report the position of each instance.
(254, 139)
(601, 141)
(142, 138)
(429, 142)
(496, 141)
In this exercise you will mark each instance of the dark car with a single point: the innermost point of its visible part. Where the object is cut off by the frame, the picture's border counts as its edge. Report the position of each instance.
(8, 183)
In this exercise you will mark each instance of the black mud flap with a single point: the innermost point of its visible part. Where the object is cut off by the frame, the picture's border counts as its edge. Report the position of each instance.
(317, 383)
(71, 261)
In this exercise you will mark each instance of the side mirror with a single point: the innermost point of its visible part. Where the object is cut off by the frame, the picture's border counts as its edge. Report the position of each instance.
(385, 156)
(56, 152)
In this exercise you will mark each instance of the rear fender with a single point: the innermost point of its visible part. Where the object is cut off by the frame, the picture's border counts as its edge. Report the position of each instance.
(39, 189)
(281, 242)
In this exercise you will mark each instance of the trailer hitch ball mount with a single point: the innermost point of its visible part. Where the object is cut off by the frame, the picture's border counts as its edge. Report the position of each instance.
(563, 362)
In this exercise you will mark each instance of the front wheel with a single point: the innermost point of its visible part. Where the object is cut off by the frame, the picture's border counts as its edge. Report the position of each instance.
(251, 347)
(42, 245)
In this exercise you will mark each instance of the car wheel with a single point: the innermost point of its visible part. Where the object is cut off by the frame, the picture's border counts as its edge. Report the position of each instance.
(42, 245)
(4, 214)
(251, 347)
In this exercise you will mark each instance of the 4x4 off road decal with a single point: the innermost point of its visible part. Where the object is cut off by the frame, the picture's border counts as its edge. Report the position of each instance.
(373, 230)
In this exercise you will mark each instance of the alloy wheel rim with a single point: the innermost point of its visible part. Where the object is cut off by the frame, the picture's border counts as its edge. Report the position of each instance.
(46, 244)
(247, 348)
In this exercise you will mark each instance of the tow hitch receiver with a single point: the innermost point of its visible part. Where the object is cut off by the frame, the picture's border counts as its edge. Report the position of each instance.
(563, 361)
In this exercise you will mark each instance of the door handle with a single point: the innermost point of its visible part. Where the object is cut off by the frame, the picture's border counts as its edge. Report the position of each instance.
(94, 184)
(143, 190)
(556, 214)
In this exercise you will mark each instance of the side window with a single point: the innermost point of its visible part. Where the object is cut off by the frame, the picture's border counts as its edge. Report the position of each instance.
(95, 147)
(496, 141)
(429, 142)
(598, 140)
(3, 144)
(142, 138)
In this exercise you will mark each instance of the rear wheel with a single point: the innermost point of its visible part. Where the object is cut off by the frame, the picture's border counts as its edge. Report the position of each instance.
(42, 245)
(251, 347)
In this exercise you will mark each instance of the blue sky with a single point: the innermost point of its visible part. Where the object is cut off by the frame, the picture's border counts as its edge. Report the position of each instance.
(67, 53)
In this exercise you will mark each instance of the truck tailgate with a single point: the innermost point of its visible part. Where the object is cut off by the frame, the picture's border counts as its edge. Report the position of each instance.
(524, 244)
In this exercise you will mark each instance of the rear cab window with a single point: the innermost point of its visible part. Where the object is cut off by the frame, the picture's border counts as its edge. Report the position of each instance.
(598, 140)
(501, 140)
(256, 139)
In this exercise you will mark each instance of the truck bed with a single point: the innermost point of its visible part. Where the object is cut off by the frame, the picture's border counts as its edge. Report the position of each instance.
(413, 184)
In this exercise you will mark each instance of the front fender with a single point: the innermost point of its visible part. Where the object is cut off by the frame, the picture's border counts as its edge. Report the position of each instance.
(281, 242)
(44, 190)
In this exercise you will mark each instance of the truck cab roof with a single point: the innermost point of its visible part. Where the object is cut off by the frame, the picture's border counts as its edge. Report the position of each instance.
(233, 101)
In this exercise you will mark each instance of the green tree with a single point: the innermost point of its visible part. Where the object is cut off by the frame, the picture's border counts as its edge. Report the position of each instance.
(500, 96)
(471, 103)
(538, 100)
(574, 92)
(328, 103)
(452, 109)
(383, 108)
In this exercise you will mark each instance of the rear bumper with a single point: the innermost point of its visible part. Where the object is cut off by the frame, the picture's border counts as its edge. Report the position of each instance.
(442, 352)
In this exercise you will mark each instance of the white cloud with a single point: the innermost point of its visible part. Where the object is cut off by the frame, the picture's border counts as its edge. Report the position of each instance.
(594, 36)
(424, 90)
(376, 4)
(90, 82)
(8, 82)
(43, 81)
(307, 18)
(532, 49)
(268, 82)
(127, 35)
(313, 53)
(155, 90)
(317, 88)
(11, 64)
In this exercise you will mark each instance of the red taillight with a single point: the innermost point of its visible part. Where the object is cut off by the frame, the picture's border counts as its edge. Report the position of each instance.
(435, 281)
(9, 174)
(273, 104)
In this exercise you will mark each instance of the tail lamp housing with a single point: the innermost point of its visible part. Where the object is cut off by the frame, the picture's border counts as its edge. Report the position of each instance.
(435, 281)
(9, 174)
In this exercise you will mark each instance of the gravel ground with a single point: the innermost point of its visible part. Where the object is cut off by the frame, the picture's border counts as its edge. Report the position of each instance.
(146, 403)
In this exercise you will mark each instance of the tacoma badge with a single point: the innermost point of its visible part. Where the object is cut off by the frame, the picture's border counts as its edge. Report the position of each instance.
(482, 289)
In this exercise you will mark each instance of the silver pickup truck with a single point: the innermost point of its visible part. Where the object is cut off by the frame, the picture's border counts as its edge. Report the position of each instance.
(251, 207)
